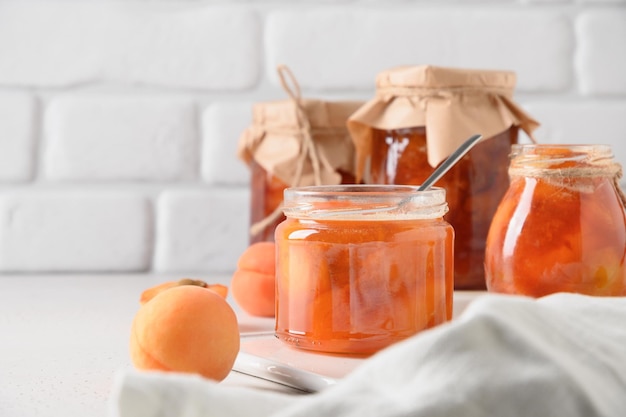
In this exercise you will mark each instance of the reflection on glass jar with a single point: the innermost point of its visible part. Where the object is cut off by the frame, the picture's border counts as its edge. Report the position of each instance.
(357, 270)
(561, 226)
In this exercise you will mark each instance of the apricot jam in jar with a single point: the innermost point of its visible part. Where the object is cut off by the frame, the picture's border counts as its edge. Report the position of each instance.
(417, 118)
(561, 226)
(474, 188)
(293, 144)
(360, 267)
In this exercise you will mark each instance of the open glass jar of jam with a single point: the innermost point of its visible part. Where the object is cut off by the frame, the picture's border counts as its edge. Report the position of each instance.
(561, 225)
(360, 267)
(422, 114)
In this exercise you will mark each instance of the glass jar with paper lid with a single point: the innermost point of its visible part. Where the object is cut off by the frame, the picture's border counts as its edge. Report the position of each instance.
(294, 142)
(561, 225)
(360, 267)
(417, 118)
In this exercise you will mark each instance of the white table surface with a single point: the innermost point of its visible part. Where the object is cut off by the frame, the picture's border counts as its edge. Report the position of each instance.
(64, 337)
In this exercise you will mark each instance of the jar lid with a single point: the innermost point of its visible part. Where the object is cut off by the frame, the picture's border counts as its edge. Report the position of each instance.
(283, 114)
(280, 130)
(452, 104)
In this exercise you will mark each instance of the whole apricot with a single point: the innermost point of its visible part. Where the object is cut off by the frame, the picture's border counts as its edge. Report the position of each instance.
(186, 328)
(253, 284)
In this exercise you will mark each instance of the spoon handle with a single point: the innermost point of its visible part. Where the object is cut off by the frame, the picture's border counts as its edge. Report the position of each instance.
(449, 162)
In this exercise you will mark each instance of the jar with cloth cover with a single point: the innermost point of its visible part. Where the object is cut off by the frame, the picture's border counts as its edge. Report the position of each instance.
(417, 118)
(290, 143)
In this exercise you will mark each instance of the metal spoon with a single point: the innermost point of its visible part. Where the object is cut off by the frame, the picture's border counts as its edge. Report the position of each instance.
(449, 162)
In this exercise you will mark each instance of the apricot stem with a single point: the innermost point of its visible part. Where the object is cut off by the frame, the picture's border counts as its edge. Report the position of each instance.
(189, 281)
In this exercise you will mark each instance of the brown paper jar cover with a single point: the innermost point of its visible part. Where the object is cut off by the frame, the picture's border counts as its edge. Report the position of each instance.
(418, 117)
(277, 149)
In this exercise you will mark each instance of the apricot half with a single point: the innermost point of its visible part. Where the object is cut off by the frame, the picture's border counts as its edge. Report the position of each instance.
(186, 328)
(253, 284)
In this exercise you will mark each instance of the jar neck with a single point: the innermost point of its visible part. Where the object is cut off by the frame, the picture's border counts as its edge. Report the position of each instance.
(566, 161)
(574, 161)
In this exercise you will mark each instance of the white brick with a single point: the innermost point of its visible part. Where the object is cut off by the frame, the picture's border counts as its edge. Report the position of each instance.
(346, 48)
(601, 61)
(223, 124)
(65, 43)
(17, 136)
(115, 138)
(199, 231)
(587, 122)
(73, 231)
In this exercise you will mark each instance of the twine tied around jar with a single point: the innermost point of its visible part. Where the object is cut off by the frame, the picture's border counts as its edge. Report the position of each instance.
(611, 170)
(308, 149)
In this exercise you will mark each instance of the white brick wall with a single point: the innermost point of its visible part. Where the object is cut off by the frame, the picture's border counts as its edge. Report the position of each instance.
(166, 44)
(201, 230)
(601, 59)
(17, 138)
(346, 48)
(119, 120)
(74, 230)
(120, 138)
(222, 124)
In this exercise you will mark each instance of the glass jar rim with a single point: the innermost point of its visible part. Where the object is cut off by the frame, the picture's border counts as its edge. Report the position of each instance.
(563, 160)
(541, 149)
(364, 202)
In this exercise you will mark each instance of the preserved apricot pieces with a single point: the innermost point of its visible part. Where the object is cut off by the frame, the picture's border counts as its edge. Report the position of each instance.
(418, 117)
(474, 188)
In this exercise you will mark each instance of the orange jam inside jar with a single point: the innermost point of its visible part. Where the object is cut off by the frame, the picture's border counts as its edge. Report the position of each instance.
(266, 194)
(360, 267)
(474, 188)
(561, 225)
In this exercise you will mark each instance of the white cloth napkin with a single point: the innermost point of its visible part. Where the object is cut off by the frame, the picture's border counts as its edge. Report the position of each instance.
(562, 355)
